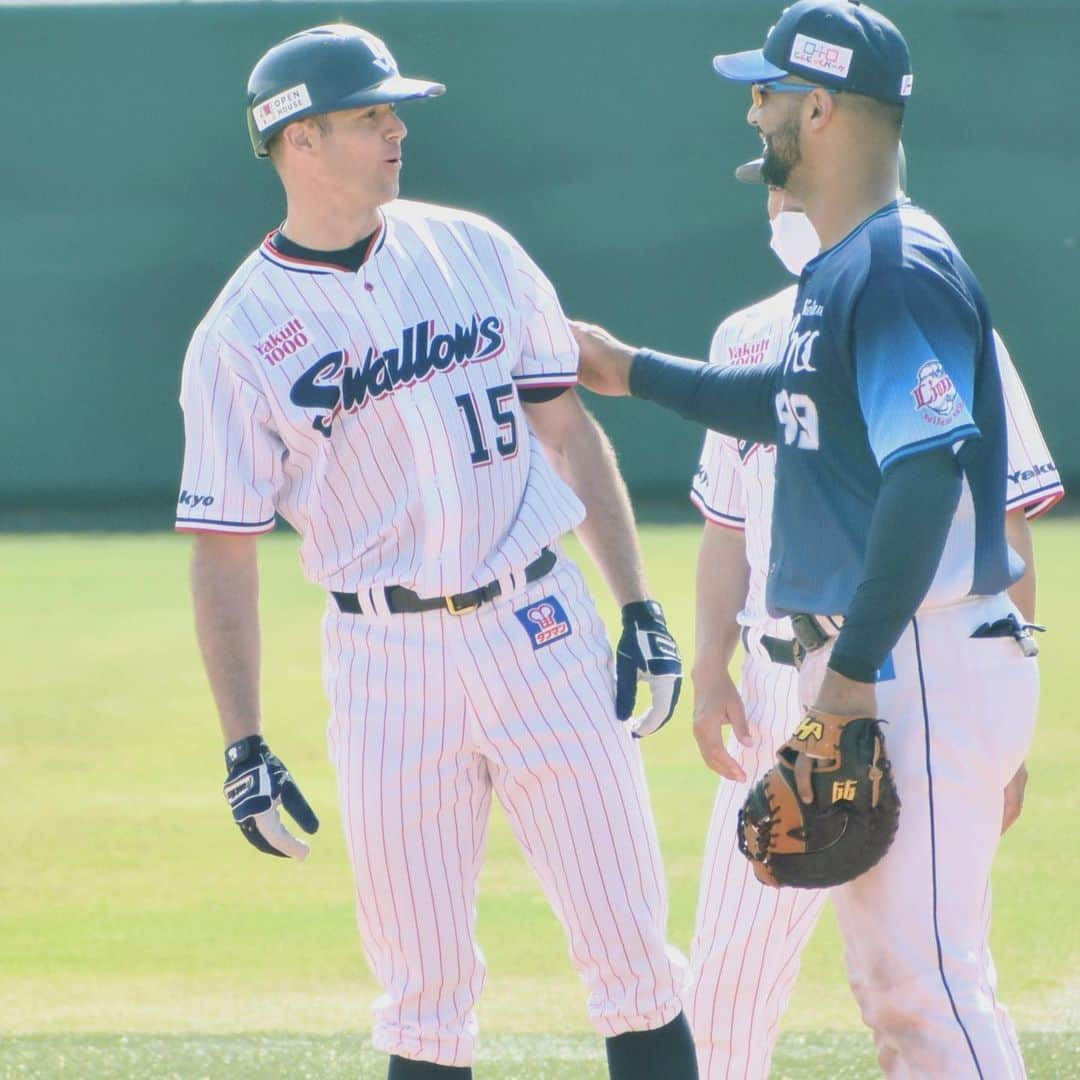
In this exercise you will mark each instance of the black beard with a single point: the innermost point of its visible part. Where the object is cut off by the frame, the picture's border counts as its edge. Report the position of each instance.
(782, 154)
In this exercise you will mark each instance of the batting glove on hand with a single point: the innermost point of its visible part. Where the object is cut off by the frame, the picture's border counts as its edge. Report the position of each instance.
(257, 783)
(646, 647)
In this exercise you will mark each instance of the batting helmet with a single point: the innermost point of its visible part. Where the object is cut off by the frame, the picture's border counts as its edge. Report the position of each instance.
(323, 70)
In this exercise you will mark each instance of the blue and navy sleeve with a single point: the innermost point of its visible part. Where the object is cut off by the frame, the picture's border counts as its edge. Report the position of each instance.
(915, 342)
(732, 400)
(900, 561)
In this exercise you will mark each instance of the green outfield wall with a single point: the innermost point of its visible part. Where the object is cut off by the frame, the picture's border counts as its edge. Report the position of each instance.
(595, 131)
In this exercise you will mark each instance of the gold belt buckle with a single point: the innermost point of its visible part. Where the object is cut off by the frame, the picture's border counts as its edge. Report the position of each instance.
(455, 609)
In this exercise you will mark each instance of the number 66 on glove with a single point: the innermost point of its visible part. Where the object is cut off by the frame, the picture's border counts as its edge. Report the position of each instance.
(646, 648)
(257, 784)
(828, 810)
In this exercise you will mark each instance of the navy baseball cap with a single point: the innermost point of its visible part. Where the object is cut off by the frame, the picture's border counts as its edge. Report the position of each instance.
(839, 44)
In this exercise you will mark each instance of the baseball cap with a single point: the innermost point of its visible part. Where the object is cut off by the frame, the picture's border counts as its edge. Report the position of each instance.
(839, 44)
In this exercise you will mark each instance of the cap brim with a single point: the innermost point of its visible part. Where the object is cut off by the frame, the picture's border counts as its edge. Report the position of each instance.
(749, 172)
(749, 67)
(395, 88)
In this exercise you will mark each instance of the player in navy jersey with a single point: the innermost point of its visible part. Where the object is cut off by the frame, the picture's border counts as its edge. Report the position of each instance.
(888, 543)
(748, 937)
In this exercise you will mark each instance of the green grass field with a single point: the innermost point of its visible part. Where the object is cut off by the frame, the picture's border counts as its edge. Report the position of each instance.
(140, 936)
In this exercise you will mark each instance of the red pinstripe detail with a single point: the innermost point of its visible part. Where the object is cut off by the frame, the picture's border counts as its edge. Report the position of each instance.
(558, 793)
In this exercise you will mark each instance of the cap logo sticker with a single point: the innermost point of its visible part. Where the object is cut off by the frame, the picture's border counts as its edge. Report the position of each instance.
(821, 56)
(281, 105)
(907, 84)
(381, 58)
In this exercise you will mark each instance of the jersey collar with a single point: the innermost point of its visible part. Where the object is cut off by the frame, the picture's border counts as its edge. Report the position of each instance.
(281, 251)
(888, 208)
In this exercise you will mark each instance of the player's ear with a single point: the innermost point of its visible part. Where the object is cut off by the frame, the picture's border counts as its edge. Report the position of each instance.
(300, 135)
(820, 107)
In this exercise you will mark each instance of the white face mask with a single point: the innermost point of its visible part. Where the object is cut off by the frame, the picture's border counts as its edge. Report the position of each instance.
(794, 240)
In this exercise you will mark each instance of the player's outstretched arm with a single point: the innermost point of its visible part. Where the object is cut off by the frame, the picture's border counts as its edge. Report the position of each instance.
(723, 578)
(734, 400)
(605, 361)
(225, 594)
(582, 455)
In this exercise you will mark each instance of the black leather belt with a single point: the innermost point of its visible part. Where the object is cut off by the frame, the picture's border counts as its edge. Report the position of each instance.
(780, 650)
(402, 601)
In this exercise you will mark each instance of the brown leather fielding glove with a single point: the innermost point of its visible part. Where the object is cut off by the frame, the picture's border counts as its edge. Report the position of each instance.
(839, 764)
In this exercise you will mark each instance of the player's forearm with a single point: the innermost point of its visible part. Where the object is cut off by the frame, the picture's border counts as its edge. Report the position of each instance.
(225, 594)
(1022, 592)
(900, 562)
(735, 401)
(587, 463)
(723, 577)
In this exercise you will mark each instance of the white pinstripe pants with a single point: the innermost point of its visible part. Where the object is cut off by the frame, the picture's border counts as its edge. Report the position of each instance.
(430, 714)
(748, 938)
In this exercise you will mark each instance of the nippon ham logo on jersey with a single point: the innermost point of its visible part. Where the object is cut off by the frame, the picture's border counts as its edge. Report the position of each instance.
(935, 395)
(545, 621)
(334, 384)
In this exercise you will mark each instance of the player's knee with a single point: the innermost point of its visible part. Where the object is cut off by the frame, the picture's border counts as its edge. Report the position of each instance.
(923, 1009)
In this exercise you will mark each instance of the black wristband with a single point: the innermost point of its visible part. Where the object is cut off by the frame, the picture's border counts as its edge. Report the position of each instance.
(638, 610)
(243, 750)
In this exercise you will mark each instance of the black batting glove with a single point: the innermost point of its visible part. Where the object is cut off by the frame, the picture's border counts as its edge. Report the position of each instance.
(257, 784)
(646, 650)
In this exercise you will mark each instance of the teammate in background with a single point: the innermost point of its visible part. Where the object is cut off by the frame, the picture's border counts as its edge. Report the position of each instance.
(749, 938)
(888, 544)
(396, 380)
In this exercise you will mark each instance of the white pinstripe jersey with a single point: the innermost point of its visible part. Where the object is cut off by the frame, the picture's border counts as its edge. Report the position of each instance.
(733, 485)
(377, 411)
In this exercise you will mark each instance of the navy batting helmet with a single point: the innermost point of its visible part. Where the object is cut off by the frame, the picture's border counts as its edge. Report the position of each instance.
(323, 70)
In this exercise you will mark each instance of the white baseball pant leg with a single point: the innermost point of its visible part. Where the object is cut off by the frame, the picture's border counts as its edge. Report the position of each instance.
(748, 937)
(961, 713)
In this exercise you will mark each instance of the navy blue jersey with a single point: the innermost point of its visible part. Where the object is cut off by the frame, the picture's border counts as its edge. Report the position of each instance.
(891, 354)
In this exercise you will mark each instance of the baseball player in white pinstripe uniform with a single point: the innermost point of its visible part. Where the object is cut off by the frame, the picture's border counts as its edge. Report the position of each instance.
(396, 381)
(749, 937)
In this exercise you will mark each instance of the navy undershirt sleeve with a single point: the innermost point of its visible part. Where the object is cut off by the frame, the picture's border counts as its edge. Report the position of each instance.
(733, 401)
(537, 395)
(910, 524)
